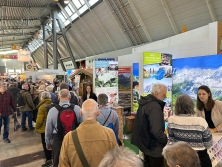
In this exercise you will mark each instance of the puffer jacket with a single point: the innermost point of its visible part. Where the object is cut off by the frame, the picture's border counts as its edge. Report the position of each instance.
(42, 116)
(29, 105)
(149, 125)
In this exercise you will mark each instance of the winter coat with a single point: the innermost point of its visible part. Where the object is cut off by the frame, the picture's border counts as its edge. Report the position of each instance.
(149, 125)
(42, 116)
(14, 91)
(29, 105)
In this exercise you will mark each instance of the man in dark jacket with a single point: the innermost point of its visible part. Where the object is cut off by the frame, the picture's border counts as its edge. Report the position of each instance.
(148, 132)
(14, 90)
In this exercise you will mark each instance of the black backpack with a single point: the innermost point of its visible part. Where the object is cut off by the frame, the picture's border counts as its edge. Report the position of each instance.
(67, 120)
(20, 102)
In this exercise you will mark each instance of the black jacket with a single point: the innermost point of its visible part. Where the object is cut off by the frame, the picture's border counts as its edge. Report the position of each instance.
(92, 96)
(14, 91)
(148, 131)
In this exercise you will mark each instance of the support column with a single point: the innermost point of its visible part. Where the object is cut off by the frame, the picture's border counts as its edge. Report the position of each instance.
(67, 44)
(54, 39)
(46, 63)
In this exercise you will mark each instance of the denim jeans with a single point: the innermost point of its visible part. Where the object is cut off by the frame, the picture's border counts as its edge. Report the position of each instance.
(25, 114)
(6, 120)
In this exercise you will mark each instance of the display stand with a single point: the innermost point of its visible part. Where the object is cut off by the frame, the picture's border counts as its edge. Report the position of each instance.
(215, 152)
(120, 112)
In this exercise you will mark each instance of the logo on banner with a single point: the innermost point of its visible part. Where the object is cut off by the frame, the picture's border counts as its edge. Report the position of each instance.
(29, 67)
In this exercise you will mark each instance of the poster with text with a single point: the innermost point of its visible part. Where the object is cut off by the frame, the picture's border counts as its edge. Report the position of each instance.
(106, 79)
(190, 73)
(124, 79)
(157, 68)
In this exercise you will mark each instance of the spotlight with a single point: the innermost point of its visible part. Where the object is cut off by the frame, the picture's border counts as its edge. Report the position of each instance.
(66, 1)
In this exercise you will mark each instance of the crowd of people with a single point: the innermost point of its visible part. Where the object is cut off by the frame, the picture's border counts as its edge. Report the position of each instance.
(89, 141)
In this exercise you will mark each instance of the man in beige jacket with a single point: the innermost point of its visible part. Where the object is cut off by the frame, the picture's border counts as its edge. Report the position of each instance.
(94, 139)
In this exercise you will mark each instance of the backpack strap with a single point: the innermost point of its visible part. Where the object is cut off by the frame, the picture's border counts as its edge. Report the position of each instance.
(79, 149)
(107, 118)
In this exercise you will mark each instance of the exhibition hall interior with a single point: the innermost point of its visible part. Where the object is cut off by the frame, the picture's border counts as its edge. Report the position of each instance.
(108, 83)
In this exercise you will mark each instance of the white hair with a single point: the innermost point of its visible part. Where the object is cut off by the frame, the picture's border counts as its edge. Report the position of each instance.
(49, 88)
(121, 156)
(64, 93)
(89, 108)
(45, 95)
(157, 87)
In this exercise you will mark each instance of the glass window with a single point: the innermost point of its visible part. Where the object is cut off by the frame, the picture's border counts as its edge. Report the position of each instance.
(77, 4)
(68, 11)
(61, 17)
(63, 14)
(92, 2)
(73, 17)
(71, 8)
(82, 2)
(83, 9)
(66, 22)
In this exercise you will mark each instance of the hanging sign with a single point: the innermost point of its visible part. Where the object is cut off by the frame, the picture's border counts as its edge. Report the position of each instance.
(24, 56)
(15, 47)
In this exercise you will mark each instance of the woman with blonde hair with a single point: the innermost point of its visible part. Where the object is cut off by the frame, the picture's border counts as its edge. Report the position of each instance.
(40, 126)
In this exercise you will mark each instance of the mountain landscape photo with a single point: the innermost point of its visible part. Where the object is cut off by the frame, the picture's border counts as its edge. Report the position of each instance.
(191, 73)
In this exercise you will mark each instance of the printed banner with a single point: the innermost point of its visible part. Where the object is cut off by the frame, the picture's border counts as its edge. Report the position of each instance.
(124, 79)
(159, 72)
(106, 80)
(135, 86)
(151, 58)
(190, 73)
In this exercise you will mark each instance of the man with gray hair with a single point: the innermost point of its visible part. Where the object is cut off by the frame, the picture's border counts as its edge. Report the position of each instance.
(94, 139)
(149, 126)
(52, 128)
(121, 156)
(6, 103)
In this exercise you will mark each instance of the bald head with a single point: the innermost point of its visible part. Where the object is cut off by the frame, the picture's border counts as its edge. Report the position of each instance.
(90, 109)
(64, 95)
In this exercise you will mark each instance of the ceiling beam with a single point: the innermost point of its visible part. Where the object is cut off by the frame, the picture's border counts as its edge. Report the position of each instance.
(84, 23)
(148, 36)
(17, 27)
(101, 26)
(211, 10)
(16, 19)
(111, 13)
(16, 34)
(15, 40)
(170, 17)
(76, 43)
(21, 6)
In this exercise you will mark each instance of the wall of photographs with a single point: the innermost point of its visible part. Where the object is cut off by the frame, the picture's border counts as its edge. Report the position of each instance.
(106, 79)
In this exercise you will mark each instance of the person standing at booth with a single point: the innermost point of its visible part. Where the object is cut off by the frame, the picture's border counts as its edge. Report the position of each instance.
(209, 109)
(89, 93)
(184, 126)
(149, 125)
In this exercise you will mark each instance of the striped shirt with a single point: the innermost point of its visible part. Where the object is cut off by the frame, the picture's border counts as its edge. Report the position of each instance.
(6, 103)
(190, 129)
